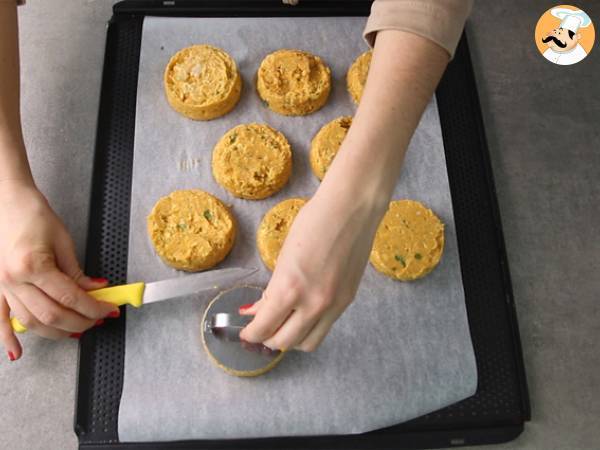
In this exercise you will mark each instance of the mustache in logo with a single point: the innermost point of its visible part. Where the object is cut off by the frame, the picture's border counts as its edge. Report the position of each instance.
(556, 41)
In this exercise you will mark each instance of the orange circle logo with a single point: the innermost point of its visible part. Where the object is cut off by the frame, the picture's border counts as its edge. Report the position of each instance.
(564, 35)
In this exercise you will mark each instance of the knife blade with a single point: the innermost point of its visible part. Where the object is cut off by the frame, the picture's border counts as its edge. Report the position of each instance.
(191, 284)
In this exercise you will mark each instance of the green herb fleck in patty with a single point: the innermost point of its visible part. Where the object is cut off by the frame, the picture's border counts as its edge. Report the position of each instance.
(401, 260)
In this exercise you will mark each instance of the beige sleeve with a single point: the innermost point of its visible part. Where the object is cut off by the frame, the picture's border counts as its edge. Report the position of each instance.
(441, 21)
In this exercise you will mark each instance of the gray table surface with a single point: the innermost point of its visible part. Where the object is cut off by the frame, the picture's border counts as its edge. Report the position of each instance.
(543, 130)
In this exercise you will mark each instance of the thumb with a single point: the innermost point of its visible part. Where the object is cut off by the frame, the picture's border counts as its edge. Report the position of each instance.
(7, 336)
(66, 260)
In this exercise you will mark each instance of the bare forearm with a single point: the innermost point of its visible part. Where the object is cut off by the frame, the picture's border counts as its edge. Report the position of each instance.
(13, 159)
(404, 73)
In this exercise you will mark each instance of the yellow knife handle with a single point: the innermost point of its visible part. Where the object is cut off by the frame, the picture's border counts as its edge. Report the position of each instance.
(127, 294)
(17, 326)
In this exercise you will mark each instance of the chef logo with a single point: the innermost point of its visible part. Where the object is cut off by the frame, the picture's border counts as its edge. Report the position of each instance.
(564, 35)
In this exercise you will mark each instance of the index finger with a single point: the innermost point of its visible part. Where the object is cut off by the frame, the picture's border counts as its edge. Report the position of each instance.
(62, 289)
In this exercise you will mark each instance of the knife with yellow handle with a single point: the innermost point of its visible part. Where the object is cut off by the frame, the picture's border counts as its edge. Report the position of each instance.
(138, 294)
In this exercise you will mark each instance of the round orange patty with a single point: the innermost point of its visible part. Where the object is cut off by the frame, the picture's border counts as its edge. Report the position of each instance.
(202, 82)
(191, 230)
(409, 241)
(293, 82)
(274, 228)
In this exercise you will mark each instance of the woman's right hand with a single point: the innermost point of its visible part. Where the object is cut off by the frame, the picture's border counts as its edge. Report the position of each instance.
(41, 282)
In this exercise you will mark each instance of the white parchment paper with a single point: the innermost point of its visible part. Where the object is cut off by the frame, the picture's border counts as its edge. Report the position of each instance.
(401, 349)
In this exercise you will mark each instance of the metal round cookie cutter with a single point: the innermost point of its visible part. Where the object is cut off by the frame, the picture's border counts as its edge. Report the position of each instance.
(221, 325)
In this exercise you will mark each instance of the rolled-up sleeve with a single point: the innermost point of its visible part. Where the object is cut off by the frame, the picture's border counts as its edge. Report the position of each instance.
(441, 21)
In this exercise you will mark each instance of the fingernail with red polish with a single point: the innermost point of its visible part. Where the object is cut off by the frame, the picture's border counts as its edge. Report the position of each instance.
(99, 322)
(114, 314)
(11, 356)
(246, 306)
(75, 335)
(98, 280)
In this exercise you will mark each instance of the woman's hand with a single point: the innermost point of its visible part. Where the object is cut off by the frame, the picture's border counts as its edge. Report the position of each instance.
(324, 255)
(317, 273)
(40, 279)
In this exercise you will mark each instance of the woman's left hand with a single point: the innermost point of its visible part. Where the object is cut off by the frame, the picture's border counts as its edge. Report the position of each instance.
(317, 274)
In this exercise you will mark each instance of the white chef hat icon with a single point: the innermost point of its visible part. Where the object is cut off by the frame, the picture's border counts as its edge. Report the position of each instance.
(571, 19)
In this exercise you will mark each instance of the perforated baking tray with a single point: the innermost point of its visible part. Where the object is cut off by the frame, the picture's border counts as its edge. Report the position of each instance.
(496, 413)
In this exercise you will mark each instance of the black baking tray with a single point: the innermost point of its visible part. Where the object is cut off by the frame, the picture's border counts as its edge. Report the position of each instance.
(498, 410)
